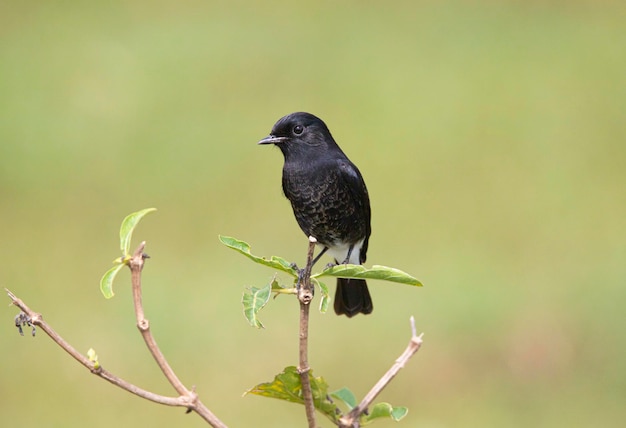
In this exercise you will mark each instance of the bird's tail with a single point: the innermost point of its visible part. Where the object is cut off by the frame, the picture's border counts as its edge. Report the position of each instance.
(352, 297)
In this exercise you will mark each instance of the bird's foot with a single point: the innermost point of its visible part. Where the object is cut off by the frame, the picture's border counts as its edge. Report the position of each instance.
(301, 278)
(330, 265)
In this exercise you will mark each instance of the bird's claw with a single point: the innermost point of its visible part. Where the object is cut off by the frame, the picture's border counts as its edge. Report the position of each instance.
(330, 265)
(301, 273)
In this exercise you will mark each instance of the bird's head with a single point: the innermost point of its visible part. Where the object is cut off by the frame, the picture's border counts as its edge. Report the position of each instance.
(301, 136)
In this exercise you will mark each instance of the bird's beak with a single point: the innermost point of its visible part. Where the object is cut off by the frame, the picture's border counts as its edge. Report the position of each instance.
(271, 139)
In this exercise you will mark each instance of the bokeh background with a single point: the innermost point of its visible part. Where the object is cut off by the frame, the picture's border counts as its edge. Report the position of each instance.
(491, 136)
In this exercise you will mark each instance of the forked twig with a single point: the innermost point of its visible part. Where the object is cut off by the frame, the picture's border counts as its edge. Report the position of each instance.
(187, 398)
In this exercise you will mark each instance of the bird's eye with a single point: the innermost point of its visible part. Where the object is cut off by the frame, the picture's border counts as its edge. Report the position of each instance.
(298, 129)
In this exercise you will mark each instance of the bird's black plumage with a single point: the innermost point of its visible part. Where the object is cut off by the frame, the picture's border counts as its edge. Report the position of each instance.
(328, 197)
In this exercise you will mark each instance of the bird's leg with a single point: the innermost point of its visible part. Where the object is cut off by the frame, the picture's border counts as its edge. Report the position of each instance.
(319, 255)
(347, 259)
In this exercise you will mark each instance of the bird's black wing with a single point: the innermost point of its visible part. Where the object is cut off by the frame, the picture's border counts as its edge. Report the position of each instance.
(355, 185)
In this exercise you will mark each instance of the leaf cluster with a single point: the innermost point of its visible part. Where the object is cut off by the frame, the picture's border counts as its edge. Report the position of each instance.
(287, 385)
(255, 299)
(129, 224)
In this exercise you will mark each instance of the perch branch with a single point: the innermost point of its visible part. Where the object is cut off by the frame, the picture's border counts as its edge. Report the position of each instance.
(305, 295)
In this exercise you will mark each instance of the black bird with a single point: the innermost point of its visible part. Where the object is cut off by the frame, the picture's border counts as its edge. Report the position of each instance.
(329, 199)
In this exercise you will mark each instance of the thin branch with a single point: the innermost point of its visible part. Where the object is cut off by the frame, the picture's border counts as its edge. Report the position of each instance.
(36, 319)
(352, 418)
(305, 295)
(188, 398)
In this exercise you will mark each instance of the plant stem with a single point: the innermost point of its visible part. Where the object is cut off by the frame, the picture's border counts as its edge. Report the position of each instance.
(305, 295)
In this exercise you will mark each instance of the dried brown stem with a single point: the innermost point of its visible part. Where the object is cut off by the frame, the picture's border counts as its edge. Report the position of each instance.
(351, 420)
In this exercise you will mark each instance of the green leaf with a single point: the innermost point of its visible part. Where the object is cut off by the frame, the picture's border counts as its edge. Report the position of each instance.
(384, 410)
(398, 413)
(106, 282)
(274, 262)
(284, 263)
(287, 386)
(253, 300)
(128, 226)
(375, 272)
(325, 300)
(345, 396)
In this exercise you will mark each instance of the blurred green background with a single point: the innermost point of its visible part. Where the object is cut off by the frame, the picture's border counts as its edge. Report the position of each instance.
(491, 136)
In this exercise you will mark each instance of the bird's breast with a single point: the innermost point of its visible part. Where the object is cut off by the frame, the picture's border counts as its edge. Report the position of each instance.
(322, 203)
